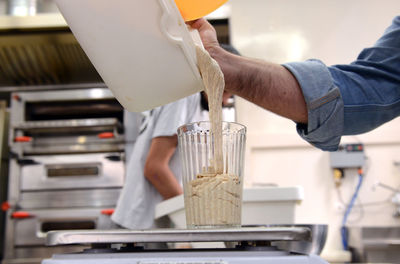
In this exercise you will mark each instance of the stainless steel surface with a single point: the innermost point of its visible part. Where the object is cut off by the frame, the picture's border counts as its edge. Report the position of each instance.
(3, 168)
(22, 7)
(56, 87)
(44, 57)
(35, 254)
(32, 231)
(253, 246)
(84, 140)
(319, 234)
(68, 125)
(179, 235)
(19, 102)
(9, 252)
(261, 255)
(375, 244)
(105, 146)
(67, 172)
(69, 136)
(70, 198)
(42, 117)
(22, 261)
(47, 6)
(83, 171)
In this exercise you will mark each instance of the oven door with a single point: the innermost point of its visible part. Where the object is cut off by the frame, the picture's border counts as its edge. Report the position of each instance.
(30, 227)
(83, 171)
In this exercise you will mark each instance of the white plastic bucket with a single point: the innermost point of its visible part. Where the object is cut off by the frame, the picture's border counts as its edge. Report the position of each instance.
(142, 49)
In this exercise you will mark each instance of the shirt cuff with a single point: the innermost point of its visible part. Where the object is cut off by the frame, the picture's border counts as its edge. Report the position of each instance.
(324, 104)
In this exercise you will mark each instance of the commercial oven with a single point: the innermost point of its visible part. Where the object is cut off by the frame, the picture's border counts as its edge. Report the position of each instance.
(78, 171)
(66, 166)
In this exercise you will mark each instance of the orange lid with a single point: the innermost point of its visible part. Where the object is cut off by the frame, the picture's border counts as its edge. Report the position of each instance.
(194, 9)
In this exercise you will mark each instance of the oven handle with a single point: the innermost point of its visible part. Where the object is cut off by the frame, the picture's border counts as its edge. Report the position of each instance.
(108, 212)
(27, 162)
(23, 139)
(21, 215)
(106, 135)
(114, 157)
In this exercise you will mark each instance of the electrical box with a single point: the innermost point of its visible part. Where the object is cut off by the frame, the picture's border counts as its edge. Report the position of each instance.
(348, 156)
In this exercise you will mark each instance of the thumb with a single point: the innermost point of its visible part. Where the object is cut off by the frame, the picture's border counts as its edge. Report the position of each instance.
(207, 32)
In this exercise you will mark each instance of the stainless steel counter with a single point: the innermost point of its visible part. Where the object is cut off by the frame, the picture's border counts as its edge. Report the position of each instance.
(179, 235)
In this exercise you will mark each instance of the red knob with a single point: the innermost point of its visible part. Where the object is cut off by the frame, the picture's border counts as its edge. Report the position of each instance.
(23, 139)
(106, 135)
(16, 97)
(21, 215)
(5, 206)
(107, 211)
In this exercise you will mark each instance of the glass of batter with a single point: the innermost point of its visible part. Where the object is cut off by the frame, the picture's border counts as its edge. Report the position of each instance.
(212, 174)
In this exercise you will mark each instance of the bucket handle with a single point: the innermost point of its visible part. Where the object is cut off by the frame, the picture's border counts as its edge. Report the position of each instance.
(171, 10)
(165, 20)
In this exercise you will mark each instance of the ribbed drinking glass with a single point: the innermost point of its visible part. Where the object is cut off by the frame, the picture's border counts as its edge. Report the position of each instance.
(212, 199)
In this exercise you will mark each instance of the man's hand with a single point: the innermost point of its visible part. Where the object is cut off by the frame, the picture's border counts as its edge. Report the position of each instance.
(266, 84)
(208, 36)
(207, 32)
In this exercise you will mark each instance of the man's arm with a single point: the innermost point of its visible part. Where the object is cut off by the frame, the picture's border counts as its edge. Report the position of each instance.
(156, 169)
(326, 102)
(268, 85)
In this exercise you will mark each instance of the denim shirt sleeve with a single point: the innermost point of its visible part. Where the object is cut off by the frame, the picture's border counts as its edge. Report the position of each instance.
(354, 98)
(324, 104)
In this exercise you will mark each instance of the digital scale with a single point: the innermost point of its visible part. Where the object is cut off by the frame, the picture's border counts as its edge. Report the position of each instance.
(250, 245)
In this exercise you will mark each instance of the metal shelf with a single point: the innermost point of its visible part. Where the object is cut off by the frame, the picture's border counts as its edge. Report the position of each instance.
(179, 235)
(37, 22)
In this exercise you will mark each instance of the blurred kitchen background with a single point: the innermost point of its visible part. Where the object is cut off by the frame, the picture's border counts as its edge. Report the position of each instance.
(58, 119)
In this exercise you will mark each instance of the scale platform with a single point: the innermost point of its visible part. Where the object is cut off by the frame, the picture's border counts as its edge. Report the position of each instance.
(251, 245)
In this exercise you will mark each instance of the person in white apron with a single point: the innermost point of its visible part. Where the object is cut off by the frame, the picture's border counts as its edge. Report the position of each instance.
(153, 171)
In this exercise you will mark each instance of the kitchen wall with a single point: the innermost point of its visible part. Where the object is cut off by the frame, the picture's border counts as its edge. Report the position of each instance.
(334, 31)
(3, 7)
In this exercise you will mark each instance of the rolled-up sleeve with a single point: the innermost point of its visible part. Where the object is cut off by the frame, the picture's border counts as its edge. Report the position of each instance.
(324, 104)
(353, 98)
